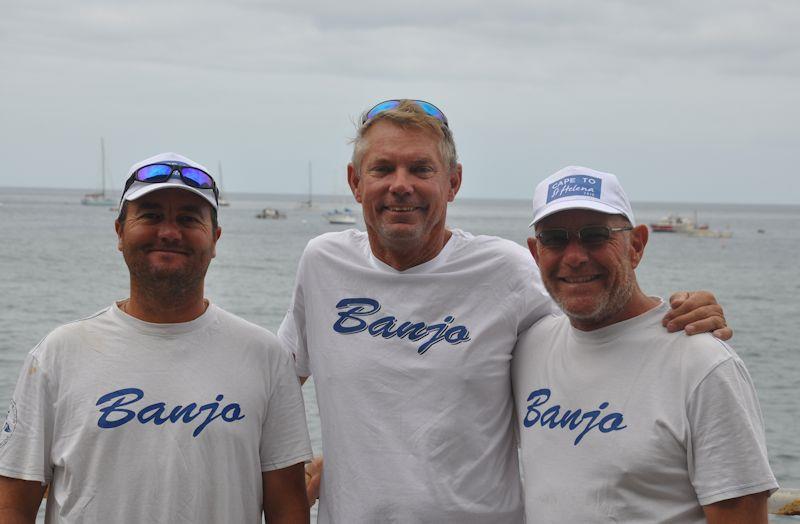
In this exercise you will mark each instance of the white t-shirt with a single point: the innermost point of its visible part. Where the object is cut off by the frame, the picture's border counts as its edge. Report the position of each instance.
(412, 373)
(630, 423)
(137, 422)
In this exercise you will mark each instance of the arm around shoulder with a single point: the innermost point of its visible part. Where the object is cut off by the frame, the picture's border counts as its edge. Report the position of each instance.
(19, 500)
(749, 509)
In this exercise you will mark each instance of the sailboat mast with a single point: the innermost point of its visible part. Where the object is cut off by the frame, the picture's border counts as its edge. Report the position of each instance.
(103, 166)
(309, 184)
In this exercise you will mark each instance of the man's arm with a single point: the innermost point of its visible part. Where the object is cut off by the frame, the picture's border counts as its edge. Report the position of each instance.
(285, 500)
(313, 472)
(313, 479)
(696, 312)
(19, 500)
(750, 509)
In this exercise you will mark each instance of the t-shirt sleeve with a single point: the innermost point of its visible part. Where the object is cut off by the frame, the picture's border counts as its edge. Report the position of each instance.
(728, 452)
(284, 435)
(26, 436)
(292, 331)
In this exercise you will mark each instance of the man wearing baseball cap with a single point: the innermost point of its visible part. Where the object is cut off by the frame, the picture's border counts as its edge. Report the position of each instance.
(408, 329)
(161, 407)
(620, 420)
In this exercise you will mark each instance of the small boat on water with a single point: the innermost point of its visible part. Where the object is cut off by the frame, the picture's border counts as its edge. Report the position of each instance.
(100, 198)
(269, 212)
(97, 199)
(676, 224)
(344, 216)
(708, 233)
(687, 226)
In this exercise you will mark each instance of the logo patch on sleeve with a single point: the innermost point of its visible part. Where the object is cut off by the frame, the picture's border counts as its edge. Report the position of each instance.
(9, 424)
(578, 185)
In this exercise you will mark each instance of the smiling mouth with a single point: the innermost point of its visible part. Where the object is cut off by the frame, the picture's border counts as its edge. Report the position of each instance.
(162, 250)
(579, 280)
(400, 209)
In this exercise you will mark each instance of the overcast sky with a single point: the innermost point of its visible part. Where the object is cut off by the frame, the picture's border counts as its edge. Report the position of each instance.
(687, 100)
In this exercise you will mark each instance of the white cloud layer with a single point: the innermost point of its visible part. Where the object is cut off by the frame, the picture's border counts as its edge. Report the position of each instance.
(685, 100)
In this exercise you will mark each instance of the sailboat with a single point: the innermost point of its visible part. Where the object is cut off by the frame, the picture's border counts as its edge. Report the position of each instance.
(220, 199)
(308, 203)
(344, 216)
(100, 198)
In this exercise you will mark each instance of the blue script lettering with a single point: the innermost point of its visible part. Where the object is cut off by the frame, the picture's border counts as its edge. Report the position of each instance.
(553, 418)
(115, 415)
(350, 322)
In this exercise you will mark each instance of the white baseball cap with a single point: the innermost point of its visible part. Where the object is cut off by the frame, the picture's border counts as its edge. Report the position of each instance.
(576, 187)
(138, 188)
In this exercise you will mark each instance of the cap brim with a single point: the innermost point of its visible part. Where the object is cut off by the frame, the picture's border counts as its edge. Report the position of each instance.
(139, 189)
(600, 207)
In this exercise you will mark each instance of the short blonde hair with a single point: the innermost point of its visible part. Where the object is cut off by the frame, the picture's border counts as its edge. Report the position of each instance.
(407, 115)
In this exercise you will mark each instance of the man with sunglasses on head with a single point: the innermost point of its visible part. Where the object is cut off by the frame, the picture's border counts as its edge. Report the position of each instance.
(619, 420)
(408, 329)
(161, 407)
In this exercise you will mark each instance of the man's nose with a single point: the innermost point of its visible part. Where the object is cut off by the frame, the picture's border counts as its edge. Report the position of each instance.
(402, 182)
(574, 253)
(168, 230)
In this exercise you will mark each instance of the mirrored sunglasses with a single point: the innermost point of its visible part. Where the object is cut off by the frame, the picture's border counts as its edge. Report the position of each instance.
(387, 105)
(155, 173)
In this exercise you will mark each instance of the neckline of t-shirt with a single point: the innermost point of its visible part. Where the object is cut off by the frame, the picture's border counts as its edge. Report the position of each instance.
(426, 267)
(605, 334)
(153, 328)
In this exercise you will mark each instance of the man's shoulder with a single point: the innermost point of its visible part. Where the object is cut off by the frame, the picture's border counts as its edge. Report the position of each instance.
(243, 328)
(702, 351)
(72, 331)
(543, 331)
(490, 242)
(349, 245)
(497, 249)
(346, 239)
(62, 342)
(535, 343)
(692, 357)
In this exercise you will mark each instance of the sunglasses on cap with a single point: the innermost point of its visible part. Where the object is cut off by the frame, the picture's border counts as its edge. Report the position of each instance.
(591, 236)
(387, 105)
(161, 172)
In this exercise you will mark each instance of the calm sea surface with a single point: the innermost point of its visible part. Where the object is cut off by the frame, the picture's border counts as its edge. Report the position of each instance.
(59, 262)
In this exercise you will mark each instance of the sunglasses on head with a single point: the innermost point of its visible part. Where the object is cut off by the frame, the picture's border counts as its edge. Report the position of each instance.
(587, 236)
(386, 105)
(155, 173)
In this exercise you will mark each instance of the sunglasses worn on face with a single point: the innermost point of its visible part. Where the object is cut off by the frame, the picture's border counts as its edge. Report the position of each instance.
(587, 236)
(155, 173)
(386, 105)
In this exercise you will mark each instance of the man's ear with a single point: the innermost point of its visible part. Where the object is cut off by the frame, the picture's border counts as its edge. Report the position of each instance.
(639, 237)
(455, 183)
(118, 228)
(216, 238)
(532, 247)
(353, 180)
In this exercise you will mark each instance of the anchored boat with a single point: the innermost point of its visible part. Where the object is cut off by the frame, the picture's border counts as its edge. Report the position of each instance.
(344, 216)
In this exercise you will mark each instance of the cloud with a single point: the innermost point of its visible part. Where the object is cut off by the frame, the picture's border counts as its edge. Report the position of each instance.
(524, 40)
(536, 84)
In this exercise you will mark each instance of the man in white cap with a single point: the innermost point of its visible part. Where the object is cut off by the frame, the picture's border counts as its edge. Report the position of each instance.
(619, 420)
(408, 330)
(161, 407)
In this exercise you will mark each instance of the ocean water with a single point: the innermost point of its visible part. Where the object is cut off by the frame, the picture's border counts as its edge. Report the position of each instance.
(59, 262)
